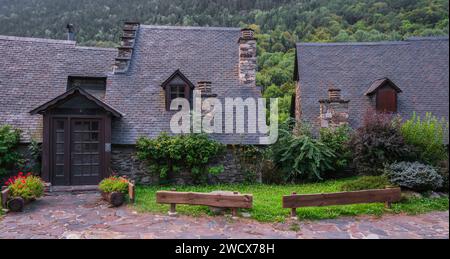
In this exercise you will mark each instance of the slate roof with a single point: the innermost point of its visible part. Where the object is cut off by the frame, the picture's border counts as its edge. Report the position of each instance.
(34, 71)
(200, 53)
(418, 66)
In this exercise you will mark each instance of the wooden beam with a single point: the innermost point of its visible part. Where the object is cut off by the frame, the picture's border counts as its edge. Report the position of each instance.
(342, 198)
(205, 199)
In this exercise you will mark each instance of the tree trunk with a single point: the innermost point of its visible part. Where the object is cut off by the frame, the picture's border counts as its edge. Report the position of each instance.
(16, 204)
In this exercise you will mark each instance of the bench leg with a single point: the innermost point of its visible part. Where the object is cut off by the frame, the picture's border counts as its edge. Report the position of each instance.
(294, 214)
(173, 210)
(234, 213)
(388, 205)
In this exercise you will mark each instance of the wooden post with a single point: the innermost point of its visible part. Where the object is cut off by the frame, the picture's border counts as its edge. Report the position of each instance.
(4, 197)
(388, 205)
(234, 211)
(173, 206)
(294, 210)
(131, 191)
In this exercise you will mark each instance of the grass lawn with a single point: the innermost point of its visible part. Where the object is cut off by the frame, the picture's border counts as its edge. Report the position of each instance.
(267, 202)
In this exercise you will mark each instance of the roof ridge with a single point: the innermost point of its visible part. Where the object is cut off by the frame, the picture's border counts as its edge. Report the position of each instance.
(374, 43)
(170, 27)
(429, 38)
(39, 40)
(96, 48)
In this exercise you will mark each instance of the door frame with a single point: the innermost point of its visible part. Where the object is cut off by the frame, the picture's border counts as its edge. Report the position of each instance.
(48, 145)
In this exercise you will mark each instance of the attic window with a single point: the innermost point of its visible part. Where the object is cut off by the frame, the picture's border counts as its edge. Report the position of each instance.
(386, 95)
(177, 86)
(94, 85)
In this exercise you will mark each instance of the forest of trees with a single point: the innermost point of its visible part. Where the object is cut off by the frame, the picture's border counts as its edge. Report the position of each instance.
(279, 24)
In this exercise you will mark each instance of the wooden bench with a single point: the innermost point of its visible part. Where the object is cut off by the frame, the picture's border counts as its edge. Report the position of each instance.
(233, 201)
(295, 201)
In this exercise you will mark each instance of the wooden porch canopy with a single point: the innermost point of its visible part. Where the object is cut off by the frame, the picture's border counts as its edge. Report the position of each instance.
(55, 102)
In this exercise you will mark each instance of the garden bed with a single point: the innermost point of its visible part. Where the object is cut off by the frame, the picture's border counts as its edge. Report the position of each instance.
(267, 205)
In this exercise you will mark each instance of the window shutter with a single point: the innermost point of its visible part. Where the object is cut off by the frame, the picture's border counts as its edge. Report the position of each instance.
(386, 100)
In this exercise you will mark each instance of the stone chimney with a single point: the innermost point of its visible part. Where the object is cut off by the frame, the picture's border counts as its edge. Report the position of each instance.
(334, 110)
(247, 57)
(206, 88)
(70, 32)
(128, 38)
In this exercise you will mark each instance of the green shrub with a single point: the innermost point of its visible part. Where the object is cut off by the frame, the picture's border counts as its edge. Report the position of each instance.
(114, 184)
(9, 140)
(337, 140)
(173, 154)
(26, 186)
(427, 135)
(443, 171)
(377, 142)
(366, 183)
(414, 176)
(301, 157)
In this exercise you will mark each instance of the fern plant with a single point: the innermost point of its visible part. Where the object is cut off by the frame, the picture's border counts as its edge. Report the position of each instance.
(302, 157)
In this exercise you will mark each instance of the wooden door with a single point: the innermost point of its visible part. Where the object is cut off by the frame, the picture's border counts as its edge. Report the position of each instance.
(60, 156)
(86, 154)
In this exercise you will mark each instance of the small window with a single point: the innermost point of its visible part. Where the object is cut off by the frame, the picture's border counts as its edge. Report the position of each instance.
(386, 100)
(94, 85)
(176, 91)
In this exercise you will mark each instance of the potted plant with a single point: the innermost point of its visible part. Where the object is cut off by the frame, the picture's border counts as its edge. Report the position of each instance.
(23, 189)
(114, 189)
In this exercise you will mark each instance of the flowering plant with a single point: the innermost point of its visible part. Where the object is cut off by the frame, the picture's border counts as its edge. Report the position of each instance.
(26, 186)
(114, 184)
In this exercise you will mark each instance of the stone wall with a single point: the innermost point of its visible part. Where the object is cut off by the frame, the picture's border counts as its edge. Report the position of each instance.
(125, 162)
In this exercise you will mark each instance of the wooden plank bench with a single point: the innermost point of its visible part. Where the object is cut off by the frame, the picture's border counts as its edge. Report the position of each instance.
(233, 201)
(295, 201)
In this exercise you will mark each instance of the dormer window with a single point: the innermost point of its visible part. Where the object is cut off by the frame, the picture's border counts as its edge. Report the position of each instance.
(386, 95)
(177, 86)
(94, 85)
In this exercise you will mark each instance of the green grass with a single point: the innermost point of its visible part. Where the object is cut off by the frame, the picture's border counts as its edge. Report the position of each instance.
(267, 202)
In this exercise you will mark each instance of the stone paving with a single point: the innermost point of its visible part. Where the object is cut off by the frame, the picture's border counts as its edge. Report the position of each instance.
(87, 216)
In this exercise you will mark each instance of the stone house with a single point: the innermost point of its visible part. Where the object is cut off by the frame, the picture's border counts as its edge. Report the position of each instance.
(87, 106)
(337, 83)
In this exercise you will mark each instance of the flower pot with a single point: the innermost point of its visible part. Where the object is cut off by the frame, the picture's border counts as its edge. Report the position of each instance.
(16, 204)
(116, 199)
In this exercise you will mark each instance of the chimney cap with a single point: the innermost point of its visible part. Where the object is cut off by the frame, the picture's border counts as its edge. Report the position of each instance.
(132, 22)
(247, 34)
(70, 27)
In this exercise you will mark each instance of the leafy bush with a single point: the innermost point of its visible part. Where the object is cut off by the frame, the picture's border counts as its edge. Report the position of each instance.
(366, 183)
(301, 157)
(414, 176)
(443, 171)
(172, 154)
(377, 142)
(9, 140)
(26, 186)
(114, 184)
(427, 135)
(337, 140)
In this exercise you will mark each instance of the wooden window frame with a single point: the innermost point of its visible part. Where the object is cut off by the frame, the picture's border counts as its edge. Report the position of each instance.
(186, 92)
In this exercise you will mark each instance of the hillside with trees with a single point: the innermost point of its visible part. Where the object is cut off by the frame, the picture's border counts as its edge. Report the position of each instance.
(279, 24)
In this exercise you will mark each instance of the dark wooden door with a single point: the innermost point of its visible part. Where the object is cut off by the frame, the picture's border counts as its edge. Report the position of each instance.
(60, 154)
(86, 152)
